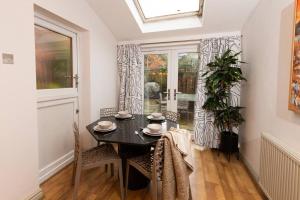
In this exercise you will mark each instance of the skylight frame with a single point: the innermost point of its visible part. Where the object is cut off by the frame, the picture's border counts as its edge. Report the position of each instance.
(166, 17)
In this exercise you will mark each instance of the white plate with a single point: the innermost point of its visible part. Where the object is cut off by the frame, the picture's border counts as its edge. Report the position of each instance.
(119, 117)
(156, 119)
(98, 129)
(147, 132)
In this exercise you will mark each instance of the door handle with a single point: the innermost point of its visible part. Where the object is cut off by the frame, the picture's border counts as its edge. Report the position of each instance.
(168, 94)
(75, 77)
(175, 94)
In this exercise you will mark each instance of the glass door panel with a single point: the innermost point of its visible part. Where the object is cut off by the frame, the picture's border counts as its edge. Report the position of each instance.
(54, 66)
(170, 80)
(155, 82)
(186, 87)
(56, 60)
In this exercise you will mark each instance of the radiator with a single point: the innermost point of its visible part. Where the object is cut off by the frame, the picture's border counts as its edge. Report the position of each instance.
(279, 170)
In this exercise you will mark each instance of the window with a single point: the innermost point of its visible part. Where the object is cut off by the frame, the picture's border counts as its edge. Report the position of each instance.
(55, 56)
(165, 9)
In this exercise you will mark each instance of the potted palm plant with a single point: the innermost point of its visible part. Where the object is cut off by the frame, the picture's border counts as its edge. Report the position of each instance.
(223, 74)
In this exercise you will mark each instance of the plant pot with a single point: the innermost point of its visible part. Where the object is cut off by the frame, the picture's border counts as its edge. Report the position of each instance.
(229, 142)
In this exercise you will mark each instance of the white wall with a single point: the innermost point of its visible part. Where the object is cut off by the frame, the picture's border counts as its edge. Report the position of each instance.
(18, 118)
(267, 39)
(18, 103)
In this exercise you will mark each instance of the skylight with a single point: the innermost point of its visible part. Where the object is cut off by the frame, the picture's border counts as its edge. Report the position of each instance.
(151, 10)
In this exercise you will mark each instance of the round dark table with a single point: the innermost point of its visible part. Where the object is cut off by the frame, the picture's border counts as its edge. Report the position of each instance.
(129, 143)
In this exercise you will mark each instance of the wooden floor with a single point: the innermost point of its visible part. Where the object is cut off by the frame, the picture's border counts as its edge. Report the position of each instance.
(214, 178)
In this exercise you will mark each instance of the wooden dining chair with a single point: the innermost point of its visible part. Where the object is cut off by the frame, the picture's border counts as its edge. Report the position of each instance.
(98, 156)
(172, 116)
(108, 112)
(150, 165)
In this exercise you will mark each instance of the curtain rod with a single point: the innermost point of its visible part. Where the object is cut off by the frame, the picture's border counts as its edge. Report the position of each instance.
(174, 41)
(190, 38)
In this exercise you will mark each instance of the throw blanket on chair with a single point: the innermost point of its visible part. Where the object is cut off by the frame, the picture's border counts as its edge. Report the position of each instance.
(175, 181)
(183, 142)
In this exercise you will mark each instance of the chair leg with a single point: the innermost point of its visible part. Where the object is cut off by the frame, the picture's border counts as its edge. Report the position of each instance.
(126, 179)
(238, 155)
(73, 174)
(190, 193)
(154, 189)
(106, 168)
(112, 169)
(76, 184)
(121, 179)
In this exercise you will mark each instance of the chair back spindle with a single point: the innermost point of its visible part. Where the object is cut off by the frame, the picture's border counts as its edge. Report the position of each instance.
(172, 116)
(108, 112)
(158, 160)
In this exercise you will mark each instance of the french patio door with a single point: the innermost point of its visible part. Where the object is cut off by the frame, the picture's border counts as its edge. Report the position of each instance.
(170, 79)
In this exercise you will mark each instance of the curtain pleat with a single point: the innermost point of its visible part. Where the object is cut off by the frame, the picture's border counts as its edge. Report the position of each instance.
(206, 135)
(129, 62)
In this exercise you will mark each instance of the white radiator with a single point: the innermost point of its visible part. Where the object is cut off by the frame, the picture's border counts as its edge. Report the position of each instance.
(279, 170)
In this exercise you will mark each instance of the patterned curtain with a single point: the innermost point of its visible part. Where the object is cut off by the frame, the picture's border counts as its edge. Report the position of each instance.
(206, 135)
(130, 71)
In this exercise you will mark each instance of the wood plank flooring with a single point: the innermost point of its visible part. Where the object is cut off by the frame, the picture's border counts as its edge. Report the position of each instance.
(214, 178)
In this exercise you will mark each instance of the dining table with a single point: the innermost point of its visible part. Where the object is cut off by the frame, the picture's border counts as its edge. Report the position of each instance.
(131, 140)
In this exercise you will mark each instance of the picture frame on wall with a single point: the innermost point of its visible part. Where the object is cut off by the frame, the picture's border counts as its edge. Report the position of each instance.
(294, 86)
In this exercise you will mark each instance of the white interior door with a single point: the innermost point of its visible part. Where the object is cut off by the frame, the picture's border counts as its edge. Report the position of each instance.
(172, 71)
(57, 90)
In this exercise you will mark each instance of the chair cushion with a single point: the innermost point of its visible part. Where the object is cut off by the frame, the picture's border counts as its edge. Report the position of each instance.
(143, 162)
(99, 154)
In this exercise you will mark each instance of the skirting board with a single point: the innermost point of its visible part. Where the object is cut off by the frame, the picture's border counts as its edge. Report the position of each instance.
(55, 166)
(249, 167)
(36, 195)
(254, 175)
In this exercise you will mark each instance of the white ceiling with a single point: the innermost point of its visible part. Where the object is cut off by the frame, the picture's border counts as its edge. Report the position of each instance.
(219, 16)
